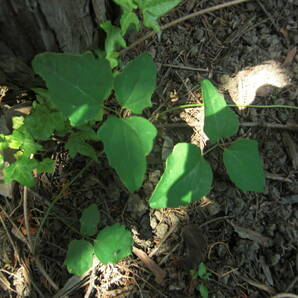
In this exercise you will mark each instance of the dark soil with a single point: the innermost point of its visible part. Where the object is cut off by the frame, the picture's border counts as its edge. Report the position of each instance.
(247, 240)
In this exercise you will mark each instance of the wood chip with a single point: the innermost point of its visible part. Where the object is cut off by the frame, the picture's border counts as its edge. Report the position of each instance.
(151, 265)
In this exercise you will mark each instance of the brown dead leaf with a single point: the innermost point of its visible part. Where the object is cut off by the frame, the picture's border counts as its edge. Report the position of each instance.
(290, 57)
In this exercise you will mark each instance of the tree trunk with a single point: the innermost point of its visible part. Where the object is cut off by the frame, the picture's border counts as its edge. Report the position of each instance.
(29, 27)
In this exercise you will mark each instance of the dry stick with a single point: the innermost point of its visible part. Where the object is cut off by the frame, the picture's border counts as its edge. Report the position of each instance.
(182, 19)
(27, 225)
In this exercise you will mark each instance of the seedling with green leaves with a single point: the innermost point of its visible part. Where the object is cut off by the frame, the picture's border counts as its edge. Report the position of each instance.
(112, 243)
(201, 274)
(76, 102)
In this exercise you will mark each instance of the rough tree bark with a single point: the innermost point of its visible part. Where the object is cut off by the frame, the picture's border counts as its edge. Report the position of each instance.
(28, 27)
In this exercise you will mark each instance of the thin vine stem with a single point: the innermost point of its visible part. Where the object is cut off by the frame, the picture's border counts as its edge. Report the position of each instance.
(210, 149)
(55, 200)
(195, 105)
(182, 19)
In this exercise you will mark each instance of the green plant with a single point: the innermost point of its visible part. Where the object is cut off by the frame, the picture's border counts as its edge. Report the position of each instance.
(74, 103)
(112, 243)
(201, 274)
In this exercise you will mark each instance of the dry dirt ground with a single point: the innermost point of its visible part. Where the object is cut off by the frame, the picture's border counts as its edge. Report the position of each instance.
(247, 240)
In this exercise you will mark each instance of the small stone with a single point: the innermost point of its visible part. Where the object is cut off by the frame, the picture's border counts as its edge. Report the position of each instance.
(161, 230)
(174, 219)
(158, 215)
(153, 222)
(136, 206)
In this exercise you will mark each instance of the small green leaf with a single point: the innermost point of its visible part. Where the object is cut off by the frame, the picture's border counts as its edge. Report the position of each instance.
(89, 220)
(21, 171)
(50, 120)
(21, 139)
(79, 257)
(135, 85)
(46, 166)
(220, 121)
(129, 19)
(243, 164)
(126, 5)
(153, 9)
(17, 122)
(203, 291)
(78, 84)
(77, 143)
(127, 142)
(113, 42)
(202, 270)
(187, 178)
(112, 244)
(1, 160)
(3, 142)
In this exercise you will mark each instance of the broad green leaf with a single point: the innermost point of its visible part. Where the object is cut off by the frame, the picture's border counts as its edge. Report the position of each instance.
(126, 5)
(127, 142)
(79, 257)
(203, 291)
(135, 85)
(153, 9)
(220, 121)
(77, 143)
(50, 120)
(89, 220)
(129, 19)
(113, 42)
(187, 178)
(21, 139)
(78, 84)
(17, 122)
(46, 166)
(112, 244)
(21, 171)
(243, 164)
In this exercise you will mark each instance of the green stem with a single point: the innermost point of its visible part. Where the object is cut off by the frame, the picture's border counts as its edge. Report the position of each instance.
(195, 105)
(210, 149)
(55, 200)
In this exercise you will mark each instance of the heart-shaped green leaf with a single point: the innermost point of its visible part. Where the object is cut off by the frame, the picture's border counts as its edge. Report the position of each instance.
(89, 220)
(135, 85)
(127, 142)
(187, 178)
(220, 121)
(79, 256)
(112, 244)
(78, 84)
(243, 164)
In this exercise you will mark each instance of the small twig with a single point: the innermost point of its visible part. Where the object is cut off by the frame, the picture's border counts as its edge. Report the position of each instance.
(285, 295)
(292, 127)
(27, 225)
(182, 19)
(291, 285)
(154, 251)
(44, 273)
(184, 67)
(215, 219)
